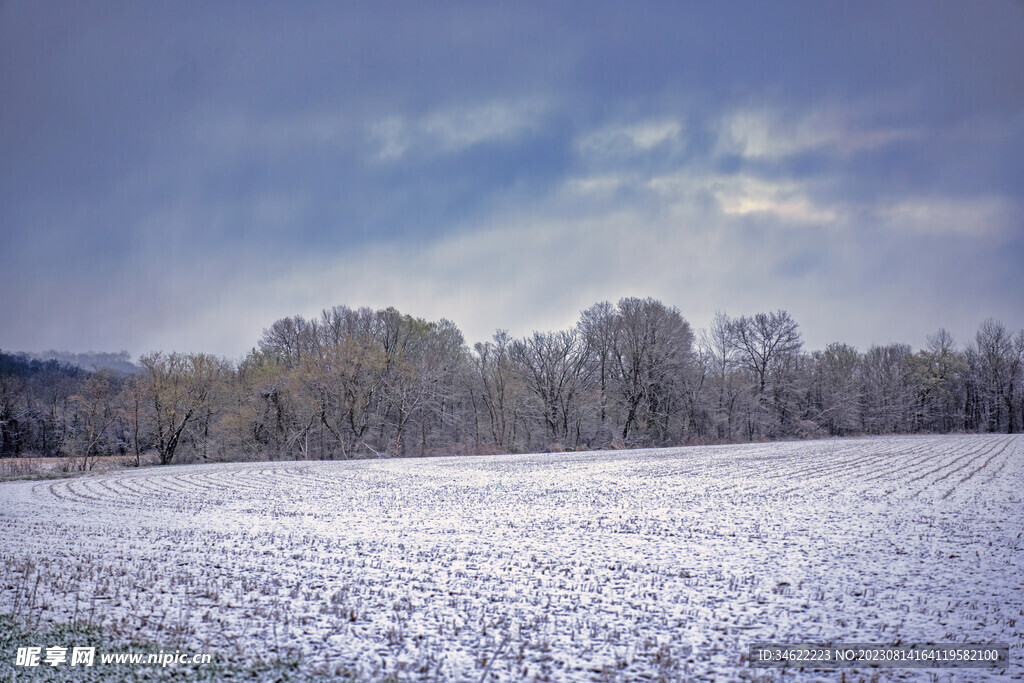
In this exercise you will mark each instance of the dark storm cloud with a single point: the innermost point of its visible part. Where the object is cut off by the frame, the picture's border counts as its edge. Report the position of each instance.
(180, 175)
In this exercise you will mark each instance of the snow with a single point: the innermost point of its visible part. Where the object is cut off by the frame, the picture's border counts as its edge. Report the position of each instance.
(615, 565)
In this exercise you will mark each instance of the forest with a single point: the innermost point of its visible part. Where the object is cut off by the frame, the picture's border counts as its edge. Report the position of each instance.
(356, 383)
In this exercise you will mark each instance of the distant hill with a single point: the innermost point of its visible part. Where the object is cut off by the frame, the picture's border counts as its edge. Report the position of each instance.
(91, 360)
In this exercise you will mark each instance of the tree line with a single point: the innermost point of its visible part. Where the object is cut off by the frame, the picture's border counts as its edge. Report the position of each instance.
(357, 382)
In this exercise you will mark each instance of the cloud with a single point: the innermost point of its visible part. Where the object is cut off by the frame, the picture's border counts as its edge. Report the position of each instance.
(789, 201)
(537, 267)
(391, 138)
(602, 185)
(504, 166)
(786, 200)
(238, 134)
(774, 133)
(452, 129)
(977, 217)
(629, 139)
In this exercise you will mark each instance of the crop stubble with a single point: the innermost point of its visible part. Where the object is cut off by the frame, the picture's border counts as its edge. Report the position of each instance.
(607, 565)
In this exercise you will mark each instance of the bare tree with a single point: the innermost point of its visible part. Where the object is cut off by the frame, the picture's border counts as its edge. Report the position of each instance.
(768, 345)
(838, 385)
(501, 391)
(131, 409)
(936, 374)
(887, 389)
(286, 338)
(443, 364)
(350, 382)
(763, 340)
(599, 325)
(719, 349)
(12, 411)
(996, 374)
(93, 414)
(652, 349)
(423, 359)
(553, 366)
(1016, 392)
(178, 387)
(345, 384)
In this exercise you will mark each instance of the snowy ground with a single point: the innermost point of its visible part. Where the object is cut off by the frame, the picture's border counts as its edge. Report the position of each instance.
(572, 566)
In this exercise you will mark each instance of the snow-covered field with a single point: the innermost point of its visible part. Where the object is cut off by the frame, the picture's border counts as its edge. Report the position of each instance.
(571, 566)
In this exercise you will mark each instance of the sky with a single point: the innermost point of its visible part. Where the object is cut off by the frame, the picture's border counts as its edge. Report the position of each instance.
(178, 176)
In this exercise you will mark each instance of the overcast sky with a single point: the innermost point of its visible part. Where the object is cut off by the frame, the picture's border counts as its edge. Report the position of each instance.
(177, 176)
